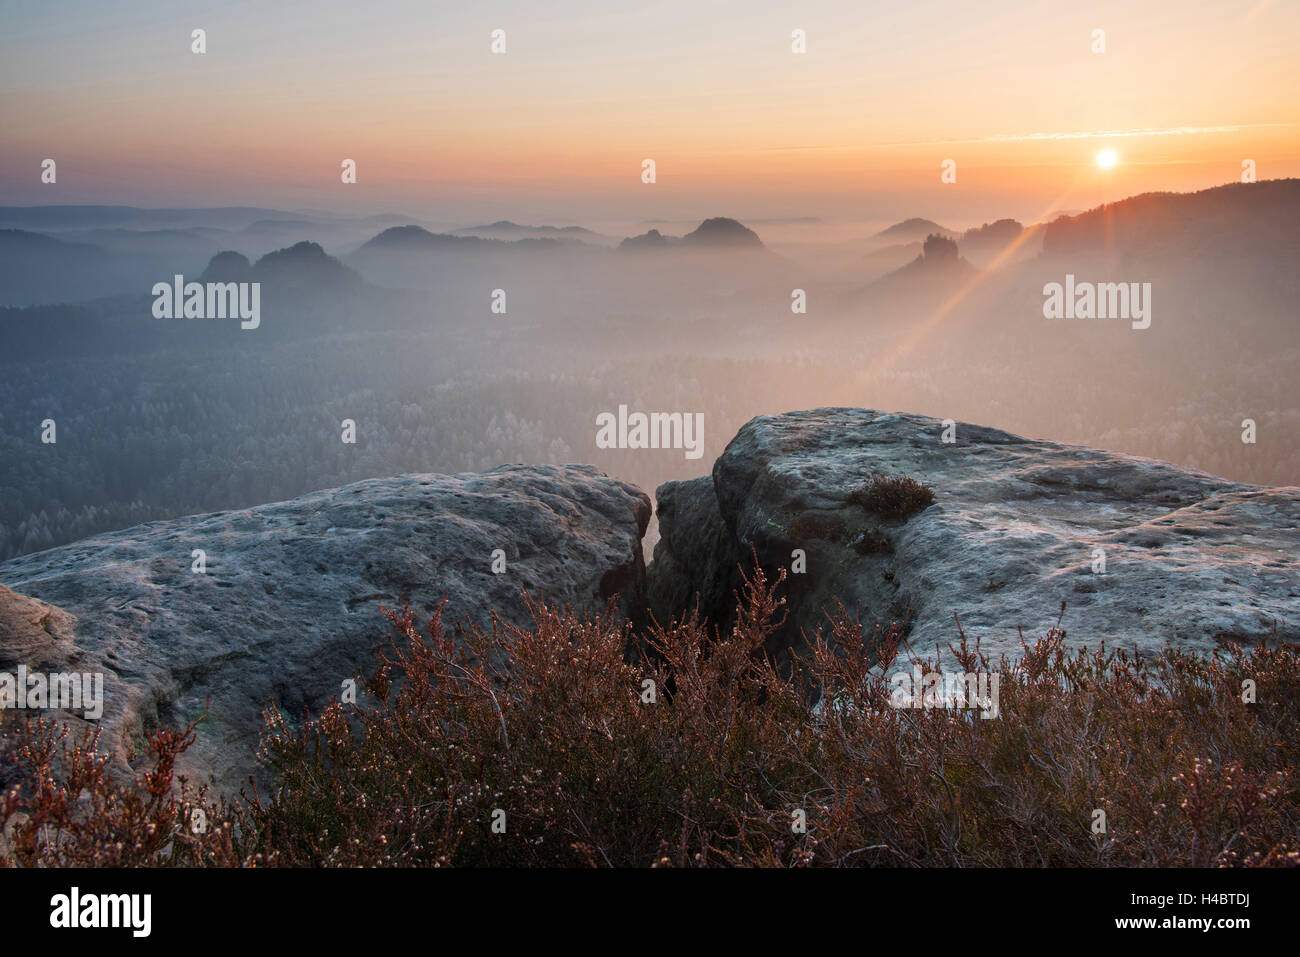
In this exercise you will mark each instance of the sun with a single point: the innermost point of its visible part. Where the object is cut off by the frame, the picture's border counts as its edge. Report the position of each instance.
(1107, 158)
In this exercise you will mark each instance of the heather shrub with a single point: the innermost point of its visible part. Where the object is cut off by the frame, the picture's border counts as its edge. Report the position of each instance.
(552, 731)
(62, 808)
(892, 496)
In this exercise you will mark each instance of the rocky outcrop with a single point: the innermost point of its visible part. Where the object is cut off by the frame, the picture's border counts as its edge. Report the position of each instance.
(1017, 527)
(289, 604)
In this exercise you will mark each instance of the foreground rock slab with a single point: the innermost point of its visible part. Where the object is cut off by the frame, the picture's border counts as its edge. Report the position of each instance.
(289, 606)
(1017, 527)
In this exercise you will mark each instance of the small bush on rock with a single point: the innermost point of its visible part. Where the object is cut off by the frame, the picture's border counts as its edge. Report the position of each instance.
(892, 496)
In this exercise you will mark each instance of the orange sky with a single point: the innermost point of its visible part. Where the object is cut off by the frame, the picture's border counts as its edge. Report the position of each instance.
(556, 127)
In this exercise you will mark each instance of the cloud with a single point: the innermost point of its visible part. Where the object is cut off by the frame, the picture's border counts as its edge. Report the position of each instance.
(1045, 136)
(1107, 134)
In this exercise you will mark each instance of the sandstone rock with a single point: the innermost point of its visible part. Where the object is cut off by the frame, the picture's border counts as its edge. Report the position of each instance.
(289, 606)
(1190, 559)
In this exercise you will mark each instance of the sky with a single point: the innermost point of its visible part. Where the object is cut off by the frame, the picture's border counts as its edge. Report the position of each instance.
(556, 128)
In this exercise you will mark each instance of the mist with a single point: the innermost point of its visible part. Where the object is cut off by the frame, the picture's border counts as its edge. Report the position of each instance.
(495, 344)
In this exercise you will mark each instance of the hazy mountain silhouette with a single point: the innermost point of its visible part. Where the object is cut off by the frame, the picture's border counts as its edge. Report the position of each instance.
(651, 239)
(914, 230)
(933, 275)
(719, 232)
(134, 217)
(18, 242)
(302, 272)
(939, 257)
(1233, 221)
(462, 267)
(304, 264)
(412, 237)
(228, 266)
(155, 244)
(36, 269)
(723, 232)
(504, 229)
(251, 230)
(1221, 262)
(278, 225)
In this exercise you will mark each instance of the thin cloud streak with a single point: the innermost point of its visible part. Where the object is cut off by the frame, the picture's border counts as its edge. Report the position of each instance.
(1077, 135)
(1170, 131)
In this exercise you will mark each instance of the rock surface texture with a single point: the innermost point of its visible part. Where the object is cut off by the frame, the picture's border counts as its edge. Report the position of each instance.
(289, 606)
(1016, 528)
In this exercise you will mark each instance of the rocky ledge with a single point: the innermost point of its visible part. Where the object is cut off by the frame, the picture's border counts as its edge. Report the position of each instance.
(1016, 528)
(288, 605)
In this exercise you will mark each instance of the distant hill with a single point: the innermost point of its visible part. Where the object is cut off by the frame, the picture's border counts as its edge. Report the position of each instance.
(504, 229)
(1232, 222)
(134, 217)
(226, 218)
(278, 225)
(651, 239)
(16, 242)
(914, 230)
(156, 244)
(228, 266)
(719, 232)
(418, 238)
(1219, 262)
(304, 264)
(998, 233)
(37, 269)
(143, 244)
(412, 257)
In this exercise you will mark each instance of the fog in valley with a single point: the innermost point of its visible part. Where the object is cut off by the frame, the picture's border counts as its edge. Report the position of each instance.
(459, 349)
